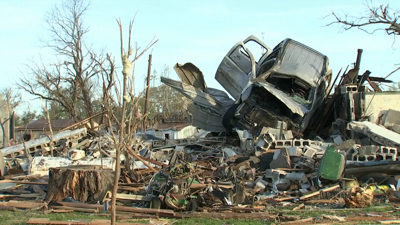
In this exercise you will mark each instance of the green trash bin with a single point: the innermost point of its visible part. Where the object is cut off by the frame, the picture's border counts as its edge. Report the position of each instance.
(332, 165)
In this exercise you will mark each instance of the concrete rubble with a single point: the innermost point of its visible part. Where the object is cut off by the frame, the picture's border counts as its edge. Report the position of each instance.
(287, 138)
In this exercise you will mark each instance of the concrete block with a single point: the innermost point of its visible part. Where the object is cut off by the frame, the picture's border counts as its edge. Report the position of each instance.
(320, 148)
(368, 150)
(348, 89)
(387, 150)
(364, 158)
(274, 174)
(281, 159)
(283, 143)
(304, 183)
(352, 114)
(392, 118)
(390, 157)
(310, 152)
(377, 133)
(288, 135)
(301, 142)
(294, 151)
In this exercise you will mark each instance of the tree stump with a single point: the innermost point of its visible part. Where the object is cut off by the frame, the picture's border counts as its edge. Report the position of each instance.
(82, 183)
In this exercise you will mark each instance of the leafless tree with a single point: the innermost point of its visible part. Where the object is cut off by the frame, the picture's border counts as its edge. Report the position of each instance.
(378, 18)
(9, 100)
(71, 79)
(122, 107)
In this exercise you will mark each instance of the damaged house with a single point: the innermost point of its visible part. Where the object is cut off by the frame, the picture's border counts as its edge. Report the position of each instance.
(40, 128)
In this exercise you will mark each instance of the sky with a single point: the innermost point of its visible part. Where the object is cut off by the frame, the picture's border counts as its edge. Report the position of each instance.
(201, 32)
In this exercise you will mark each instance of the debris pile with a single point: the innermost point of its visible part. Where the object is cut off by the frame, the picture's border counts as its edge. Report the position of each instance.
(284, 140)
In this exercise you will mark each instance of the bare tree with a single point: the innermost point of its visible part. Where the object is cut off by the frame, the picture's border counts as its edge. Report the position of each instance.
(122, 107)
(378, 18)
(70, 80)
(9, 101)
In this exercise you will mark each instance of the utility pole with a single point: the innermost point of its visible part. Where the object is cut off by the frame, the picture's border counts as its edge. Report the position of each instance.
(147, 95)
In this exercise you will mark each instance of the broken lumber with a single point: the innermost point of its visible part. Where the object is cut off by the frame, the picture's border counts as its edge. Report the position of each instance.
(75, 222)
(140, 158)
(118, 208)
(76, 209)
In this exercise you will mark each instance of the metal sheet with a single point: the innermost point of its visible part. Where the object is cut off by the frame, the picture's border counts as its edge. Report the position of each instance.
(283, 97)
(205, 120)
(191, 75)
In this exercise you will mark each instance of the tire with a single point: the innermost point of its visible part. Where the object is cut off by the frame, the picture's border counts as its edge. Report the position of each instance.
(155, 203)
(192, 205)
(228, 116)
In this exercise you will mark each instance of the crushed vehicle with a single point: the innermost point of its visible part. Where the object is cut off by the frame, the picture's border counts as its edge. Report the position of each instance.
(282, 90)
(277, 93)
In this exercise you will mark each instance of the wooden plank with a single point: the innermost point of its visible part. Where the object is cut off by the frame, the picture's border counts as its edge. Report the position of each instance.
(133, 197)
(23, 182)
(321, 201)
(140, 158)
(76, 209)
(76, 222)
(396, 221)
(21, 196)
(303, 221)
(118, 208)
(22, 204)
(328, 189)
(368, 218)
(144, 210)
(58, 211)
(78, 205)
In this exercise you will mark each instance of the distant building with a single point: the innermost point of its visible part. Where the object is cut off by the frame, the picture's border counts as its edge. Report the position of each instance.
(39, 128)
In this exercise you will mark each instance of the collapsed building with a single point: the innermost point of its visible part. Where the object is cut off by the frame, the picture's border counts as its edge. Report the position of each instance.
(285, 133)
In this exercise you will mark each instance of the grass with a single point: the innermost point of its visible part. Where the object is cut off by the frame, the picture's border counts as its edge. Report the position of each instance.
(20, 217)
(204, 221)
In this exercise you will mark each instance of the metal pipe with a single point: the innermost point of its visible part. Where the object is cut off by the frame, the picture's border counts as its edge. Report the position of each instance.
(147, 94)
(357, 66)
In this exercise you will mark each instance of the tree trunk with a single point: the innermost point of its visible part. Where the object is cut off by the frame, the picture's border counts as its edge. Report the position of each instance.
(82, 183)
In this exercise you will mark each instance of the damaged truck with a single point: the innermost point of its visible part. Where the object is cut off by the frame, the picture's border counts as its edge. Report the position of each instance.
(275, 94)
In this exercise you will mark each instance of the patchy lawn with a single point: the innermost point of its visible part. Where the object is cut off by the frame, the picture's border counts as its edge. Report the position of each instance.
(368, 215)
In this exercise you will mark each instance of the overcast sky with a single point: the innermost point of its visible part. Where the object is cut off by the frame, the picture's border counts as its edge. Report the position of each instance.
(201, 32)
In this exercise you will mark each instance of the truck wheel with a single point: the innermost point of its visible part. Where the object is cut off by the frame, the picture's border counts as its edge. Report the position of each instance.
(228, 116)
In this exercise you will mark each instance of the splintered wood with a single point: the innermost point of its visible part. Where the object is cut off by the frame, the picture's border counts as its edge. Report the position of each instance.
(359, 197)
(82, 183)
